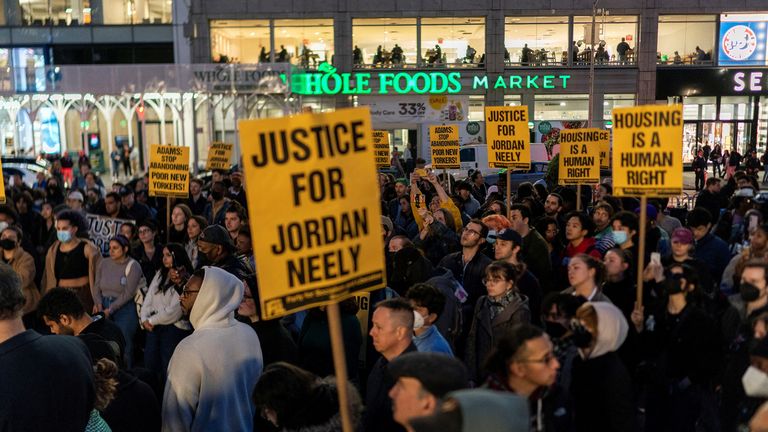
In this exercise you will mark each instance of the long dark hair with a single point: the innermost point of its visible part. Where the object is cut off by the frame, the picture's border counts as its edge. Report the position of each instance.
(180, 259)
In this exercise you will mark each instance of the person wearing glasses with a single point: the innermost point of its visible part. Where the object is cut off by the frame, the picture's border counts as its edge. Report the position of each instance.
(161, 314)
(149, 252)
(523, 362)
(494, 314)
(213, 371)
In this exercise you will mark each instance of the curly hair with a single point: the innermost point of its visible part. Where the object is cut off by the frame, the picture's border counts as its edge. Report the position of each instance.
(105, 378)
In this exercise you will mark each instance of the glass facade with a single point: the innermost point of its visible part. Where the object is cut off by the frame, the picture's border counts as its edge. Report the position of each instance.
(304, 42)
(561, 107)
(536, 41)
(452, 42)
(384, 42)
(242, 41)
(686, 39)
(82, 12)
(615, 39)
(611, 101)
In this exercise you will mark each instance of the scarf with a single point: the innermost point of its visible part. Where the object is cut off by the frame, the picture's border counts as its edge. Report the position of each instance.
(498, 305)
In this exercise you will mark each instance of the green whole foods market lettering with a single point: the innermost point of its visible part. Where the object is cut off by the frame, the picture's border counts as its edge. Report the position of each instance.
(328, 82)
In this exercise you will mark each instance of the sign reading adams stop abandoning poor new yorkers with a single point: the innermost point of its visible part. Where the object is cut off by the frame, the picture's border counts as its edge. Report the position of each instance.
(506, 129)
(579, 156)
(169, 171)
(310, 179)
(444, 141)
(381, 148)
(648, 151)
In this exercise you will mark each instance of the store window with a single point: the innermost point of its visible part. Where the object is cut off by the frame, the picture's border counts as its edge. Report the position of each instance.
(29, 69)
(80, 12)
(736, 108)
(699, 108)
(453, 42)
(686, 39)
(615, 39)
(612, 101)
(561, 107)
(536, 41)
(304, 42)
(240, 41)
(384, 42)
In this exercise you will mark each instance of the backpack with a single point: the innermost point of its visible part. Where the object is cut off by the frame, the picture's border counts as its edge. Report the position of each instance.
(141, 289)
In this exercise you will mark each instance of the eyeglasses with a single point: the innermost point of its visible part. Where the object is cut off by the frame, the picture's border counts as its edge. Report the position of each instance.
(487, 281)
(547, 359)
(471, 231)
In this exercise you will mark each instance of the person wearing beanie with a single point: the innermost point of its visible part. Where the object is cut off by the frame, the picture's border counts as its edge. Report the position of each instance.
(219, 250)
(477, 410)
(601, 387)
(682, 253)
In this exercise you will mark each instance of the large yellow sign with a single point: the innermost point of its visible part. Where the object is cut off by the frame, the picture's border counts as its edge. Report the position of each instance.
(2, 185)
(648, 151)
(579, 156)
(313, 206)
(219, 156)
(169, 171)
(444, 141)
(509, 139)
(381, 148)
(605, 149)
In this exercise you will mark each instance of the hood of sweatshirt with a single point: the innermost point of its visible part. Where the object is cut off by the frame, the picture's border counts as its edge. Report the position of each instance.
(612, 329)
(218, 299)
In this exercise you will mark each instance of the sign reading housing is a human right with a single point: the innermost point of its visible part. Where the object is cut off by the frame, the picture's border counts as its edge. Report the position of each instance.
(444, 141)
(310, 178)
(506, 129)
(648, 151)
(579, 156)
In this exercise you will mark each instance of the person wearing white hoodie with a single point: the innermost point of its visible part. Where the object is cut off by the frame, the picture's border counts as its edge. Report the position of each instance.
(601, 388)
(213, 371)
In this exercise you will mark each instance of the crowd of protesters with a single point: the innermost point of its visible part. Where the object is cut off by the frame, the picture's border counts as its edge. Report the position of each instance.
(497, 316)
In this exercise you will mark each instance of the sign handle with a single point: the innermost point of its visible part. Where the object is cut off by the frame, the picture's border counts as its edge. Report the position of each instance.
(168, 219)
(578, 197)
(509, 192)
(340, 364)
(641, 250)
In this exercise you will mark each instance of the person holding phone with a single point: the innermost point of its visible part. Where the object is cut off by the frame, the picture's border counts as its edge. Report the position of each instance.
(161, 314)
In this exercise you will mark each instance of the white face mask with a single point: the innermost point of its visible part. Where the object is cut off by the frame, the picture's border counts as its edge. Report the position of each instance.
(418, 320)
(755, 383)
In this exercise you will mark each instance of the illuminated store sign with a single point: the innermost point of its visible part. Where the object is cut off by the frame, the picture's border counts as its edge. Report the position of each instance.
(750, 82)
(329, 82)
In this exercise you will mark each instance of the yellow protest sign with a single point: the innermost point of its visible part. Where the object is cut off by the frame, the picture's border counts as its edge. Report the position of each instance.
(605, 149)
(444, 141)
(509, 140)
(381, 148)
(168, 171)
(579, 156)
(648, 151)
(2, 185)
(363, 301)
(311, 181)
(219, 156)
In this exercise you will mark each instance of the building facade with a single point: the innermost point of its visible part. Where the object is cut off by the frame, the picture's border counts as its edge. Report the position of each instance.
(414, 62)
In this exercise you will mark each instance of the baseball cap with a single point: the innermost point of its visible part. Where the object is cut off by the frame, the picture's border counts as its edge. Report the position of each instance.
(218, 235)
(75, 195)
(682, 235)
(509, 235)
(125, 191)
(439, 374)
(479, 410)
(650, 209)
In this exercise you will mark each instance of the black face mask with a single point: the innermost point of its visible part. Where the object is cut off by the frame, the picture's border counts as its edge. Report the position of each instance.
(554, 329)
(580, 336)
(7, 244)
(217, 195)
(672, 284)
(749, 292)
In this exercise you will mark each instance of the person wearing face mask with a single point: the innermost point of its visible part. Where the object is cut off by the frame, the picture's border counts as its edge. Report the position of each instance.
(619, 285)
(755, 383)
(682, 352)
(625, 226)
(601, 387)
(71, 262)
(682, 253)
(22, 263)
(53, 192)
(218, 204)
(428, 303)
(558, 310)
(219, 250)
(236, 192)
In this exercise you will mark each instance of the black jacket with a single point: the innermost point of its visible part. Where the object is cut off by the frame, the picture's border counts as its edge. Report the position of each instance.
(440, 242)
(378, 405)
(471, 277)
(602, 395)
(135, 407)
(712, 202)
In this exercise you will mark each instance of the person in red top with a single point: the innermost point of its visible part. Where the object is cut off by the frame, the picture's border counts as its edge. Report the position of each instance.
(578, 234)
